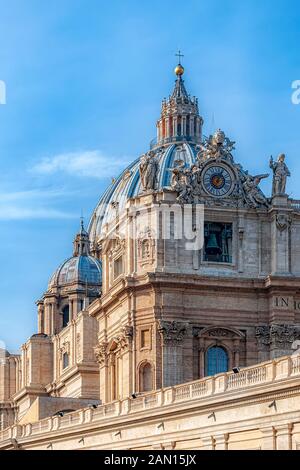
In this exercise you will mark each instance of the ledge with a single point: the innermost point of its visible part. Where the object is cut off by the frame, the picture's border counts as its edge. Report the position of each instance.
(280, 377)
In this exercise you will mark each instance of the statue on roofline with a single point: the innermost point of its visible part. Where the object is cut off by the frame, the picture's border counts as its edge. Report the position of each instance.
(280, 174)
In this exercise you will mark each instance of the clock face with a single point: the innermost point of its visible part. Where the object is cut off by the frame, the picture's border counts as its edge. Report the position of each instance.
(217, 181)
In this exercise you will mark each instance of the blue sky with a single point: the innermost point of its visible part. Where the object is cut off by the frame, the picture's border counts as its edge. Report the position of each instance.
(85, 79)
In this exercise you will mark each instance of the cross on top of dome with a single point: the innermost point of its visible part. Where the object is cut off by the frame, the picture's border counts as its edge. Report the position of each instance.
(179, 69)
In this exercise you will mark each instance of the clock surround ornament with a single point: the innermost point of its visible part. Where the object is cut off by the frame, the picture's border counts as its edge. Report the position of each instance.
(215, 178)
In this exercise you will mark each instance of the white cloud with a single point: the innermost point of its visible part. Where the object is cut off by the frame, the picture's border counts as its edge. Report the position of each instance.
(92, 164)
(32, 194)
(32, 204)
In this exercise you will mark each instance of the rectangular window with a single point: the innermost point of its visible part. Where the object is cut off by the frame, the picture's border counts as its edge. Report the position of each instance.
(218, 242)
(118, 267)
(145, 339)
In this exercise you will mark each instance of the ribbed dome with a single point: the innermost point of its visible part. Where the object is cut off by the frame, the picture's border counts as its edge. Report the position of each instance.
(179, 133)
(128, 185)
(81, 269)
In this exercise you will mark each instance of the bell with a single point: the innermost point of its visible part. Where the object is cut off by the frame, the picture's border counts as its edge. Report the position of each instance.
(212, 247)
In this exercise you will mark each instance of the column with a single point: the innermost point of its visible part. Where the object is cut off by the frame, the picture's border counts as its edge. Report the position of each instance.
(241, 232)
(280, 235)
(50, 325)
(284, 437)
(167, 128)
(175, 127)
(192, 126)
(101, 354)
(208, 443)
(269, 438)
(183, 125)
(198, 127)
(41, 327)
(202, 362)
(52, 317)
(126, 370)
(46, 319)
(172, 335)
(70, 309)
(236, 353)
(24, 367)
(221, 442)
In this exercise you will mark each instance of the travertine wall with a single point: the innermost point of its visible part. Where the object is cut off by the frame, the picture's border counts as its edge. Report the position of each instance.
(264, 242)
(251, 306)
(257, 409)
(9, 376)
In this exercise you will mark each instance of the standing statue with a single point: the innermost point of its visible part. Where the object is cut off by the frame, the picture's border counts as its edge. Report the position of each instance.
(280, 174)
(148, 171)
(182, 181)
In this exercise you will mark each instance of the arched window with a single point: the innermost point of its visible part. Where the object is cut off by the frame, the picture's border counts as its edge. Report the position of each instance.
(216, 361)
(66, 315)
(65, 360)
(146, 378)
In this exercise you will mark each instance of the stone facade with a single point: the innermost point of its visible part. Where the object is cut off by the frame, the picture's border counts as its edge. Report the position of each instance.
(188, 270)
(255, 410)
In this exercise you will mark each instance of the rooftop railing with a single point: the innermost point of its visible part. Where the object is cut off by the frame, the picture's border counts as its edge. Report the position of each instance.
(295, 204)
(209, 387)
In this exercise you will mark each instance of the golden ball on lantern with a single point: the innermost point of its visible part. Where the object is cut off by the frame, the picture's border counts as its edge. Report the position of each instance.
(179, 70)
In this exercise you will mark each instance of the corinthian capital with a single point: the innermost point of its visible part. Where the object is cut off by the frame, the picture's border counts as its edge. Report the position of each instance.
(172, 332)
(101, 352)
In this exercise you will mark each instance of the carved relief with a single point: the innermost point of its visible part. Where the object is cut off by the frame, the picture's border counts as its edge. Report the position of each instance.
(105, 351)
(254, 195)
(262, 336)
(277, 336)
(65, 347)
(78, 348)
(282, 336)
(118, 248)
(146, 246)
(283, 221)
(220, 333)
(236, 189)
(172, 333)
(101, 353)
(124, 339)
(217, 146)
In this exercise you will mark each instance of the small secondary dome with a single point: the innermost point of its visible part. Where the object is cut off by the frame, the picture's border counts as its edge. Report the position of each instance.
(81, 268)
